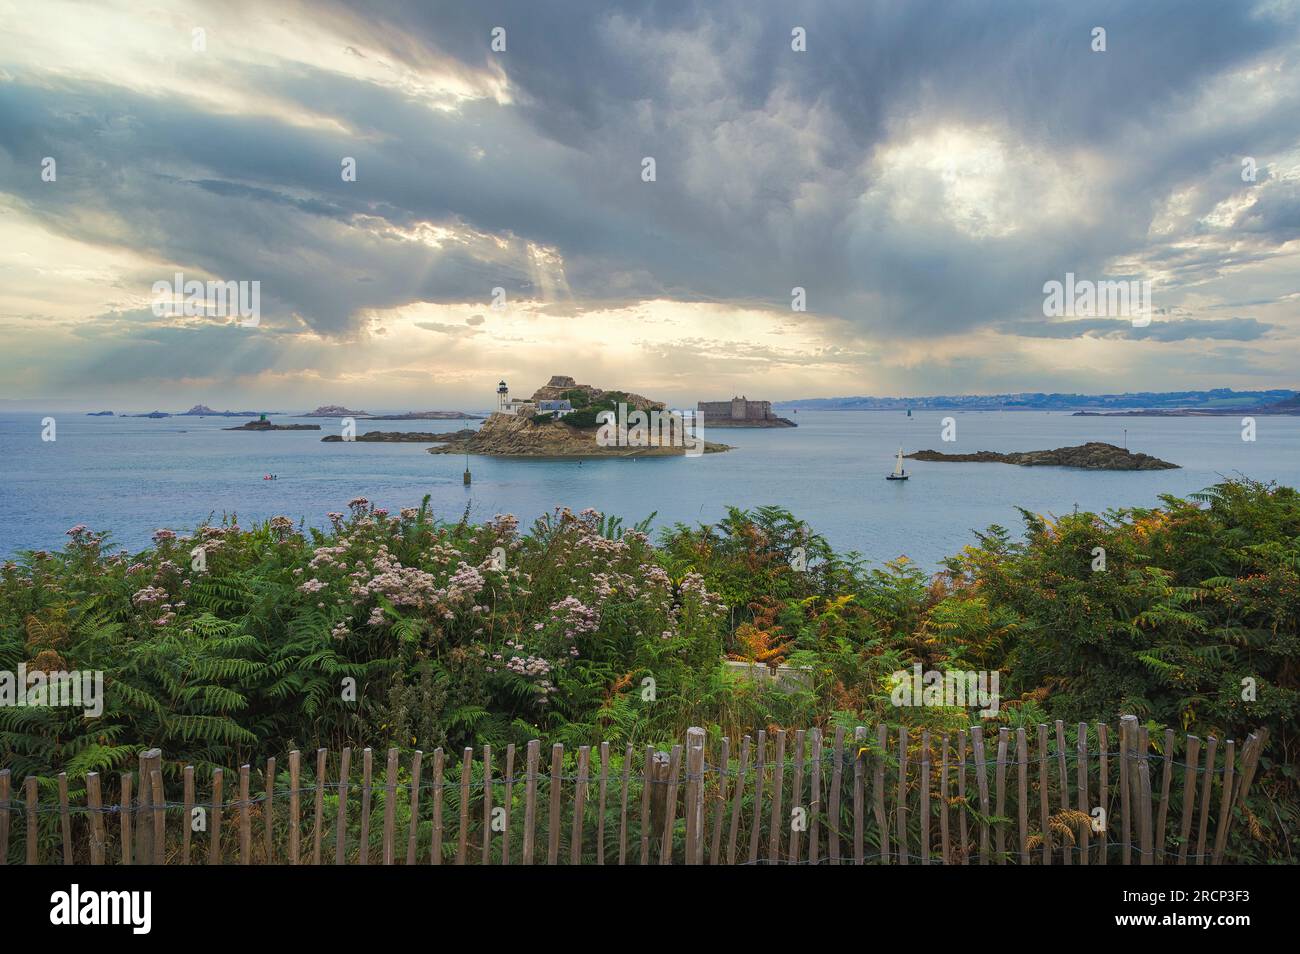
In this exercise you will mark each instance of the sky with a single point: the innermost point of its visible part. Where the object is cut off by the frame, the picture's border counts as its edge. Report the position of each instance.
(920, 170)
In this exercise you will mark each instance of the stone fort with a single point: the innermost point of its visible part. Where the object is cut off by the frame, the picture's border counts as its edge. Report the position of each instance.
(737, 409)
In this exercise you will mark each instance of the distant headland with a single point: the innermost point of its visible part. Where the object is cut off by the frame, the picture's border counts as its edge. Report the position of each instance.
(1224, 400)
(1091, 456)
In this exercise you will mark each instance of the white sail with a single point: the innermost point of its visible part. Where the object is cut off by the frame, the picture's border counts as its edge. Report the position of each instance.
(898, 467)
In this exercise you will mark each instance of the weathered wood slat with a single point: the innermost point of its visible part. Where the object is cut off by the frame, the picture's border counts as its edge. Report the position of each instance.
(900, 808)
(462, 830)
(882, 742)
(5, 784)
(509, 803)
(815, 798)
(1064, 786)
(530, 801)
(245, 830)
(647, 785)
(670, 806)
(1225, 802)
(999, 831)
(796, 794)
(268, 813)
(367, 769)
(1081, 789)
(30, 845)
(720, 806)
(95, 806)
(485, 856)
(695, 795)
(1206, 784)
(435, 837)
(557, 790)
(738, 797)
(318, 825)
(837, 784)
(603, 787)
(622, 812)
(859, 794)
(124, 818)
(945, 840)
(1043, 812)
(1022, 792)
(341, 817)
(579, 805)
(413, 810)
(1192, 757)
(389, 856)
(295, 805)
(925, 796)
(778, 791)
(1125, 784)
(187, 825)
(1166, 780)
(214, 829)
(982, 780)
(962, 832)
(1103, 791)
(758, 797)
(1144, 792)
(65, 818)
(159, 815)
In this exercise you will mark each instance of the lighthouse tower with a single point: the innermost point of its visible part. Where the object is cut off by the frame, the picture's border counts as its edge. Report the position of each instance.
(503, 398)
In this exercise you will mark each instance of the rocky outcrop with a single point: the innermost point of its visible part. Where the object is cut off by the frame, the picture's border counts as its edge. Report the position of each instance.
(504, 435)
(560, 386)
(268, 426)
(334, 410)
(404, 437)
(1092, 456)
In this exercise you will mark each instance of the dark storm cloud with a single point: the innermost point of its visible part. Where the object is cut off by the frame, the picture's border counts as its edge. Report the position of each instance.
(765, 157)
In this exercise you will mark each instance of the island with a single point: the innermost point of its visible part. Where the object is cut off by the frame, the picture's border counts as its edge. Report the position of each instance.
(99, 414)
(337, 410)
(740, 412)
(566, 420)
(263, 424)
(1091, 456)
(202, 410)
(404, 437)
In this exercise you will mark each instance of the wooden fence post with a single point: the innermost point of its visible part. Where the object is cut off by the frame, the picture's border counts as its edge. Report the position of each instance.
(94, 804)
(695, 796)
(150, 759)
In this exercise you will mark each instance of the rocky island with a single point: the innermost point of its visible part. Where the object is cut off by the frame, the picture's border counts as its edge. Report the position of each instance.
(264, 425)
(405, 437)
(337, 410)
(1091, 456)
(564, 419)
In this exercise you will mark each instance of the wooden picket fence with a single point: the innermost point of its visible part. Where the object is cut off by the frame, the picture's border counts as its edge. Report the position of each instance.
(793, 797)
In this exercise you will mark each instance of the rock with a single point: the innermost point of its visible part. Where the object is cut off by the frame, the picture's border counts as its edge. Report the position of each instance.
(334, 410)
(268, 426)
(1091, 456)
(505, 435)
(404, 437)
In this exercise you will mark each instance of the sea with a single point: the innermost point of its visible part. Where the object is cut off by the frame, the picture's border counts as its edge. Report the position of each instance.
(130, 476)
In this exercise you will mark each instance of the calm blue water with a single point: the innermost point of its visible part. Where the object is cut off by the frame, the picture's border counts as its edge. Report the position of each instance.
(130, 476)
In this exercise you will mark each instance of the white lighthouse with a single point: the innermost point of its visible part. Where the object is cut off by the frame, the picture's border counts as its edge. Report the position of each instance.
(503, 399)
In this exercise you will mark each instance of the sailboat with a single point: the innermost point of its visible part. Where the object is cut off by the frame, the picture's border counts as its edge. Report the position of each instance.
(899, 473)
